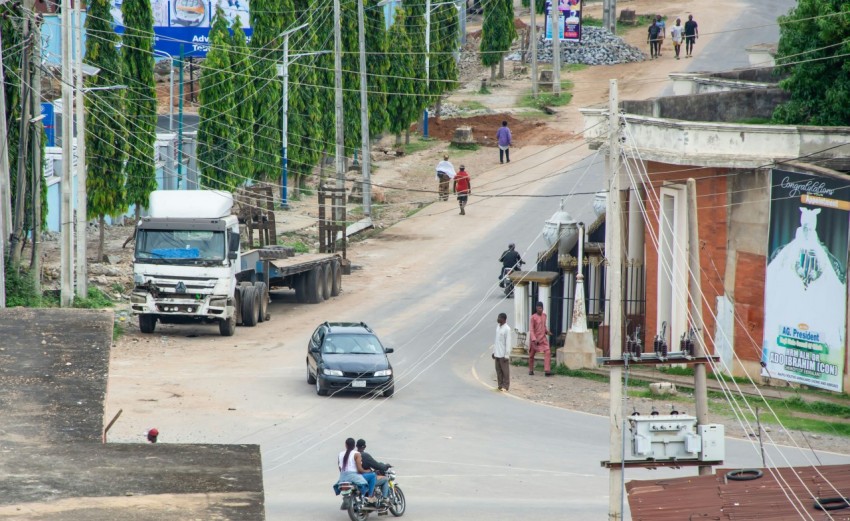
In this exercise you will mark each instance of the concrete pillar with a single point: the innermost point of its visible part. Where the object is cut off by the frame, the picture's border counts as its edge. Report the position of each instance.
(521, 318)
(569, 289)
(635, 256)
(544, 295)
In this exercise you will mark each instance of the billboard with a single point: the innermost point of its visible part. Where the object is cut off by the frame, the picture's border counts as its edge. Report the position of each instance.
(569, 20)
(187, 22)
(805, 296)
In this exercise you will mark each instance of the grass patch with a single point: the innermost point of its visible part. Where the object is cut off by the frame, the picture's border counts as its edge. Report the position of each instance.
(471, 105)
(546, 100)
(20, 289)
(96, 299)
(464, 146)
(295, 243)
(413, 211)
(484, 90)
(417, 145)
(574, 67)
(117, 330)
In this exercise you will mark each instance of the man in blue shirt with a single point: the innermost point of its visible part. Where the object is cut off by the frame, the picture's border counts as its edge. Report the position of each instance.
(503, 135)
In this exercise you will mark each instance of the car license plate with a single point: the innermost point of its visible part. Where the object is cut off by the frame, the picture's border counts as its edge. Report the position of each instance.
(358, 383)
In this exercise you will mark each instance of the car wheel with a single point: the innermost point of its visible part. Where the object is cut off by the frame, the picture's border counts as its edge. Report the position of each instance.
(250, 303)
(320, 389)
(315, 284)
(327, 285)
(336, 270)
(263, 291)
(310, 378)
(389, 390)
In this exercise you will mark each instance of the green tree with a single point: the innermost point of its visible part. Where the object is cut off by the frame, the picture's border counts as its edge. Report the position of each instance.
(106, 135)
(216, 127)
(323, 68)
(497, 34)
(814, 40)
(444, 45)
(137, 54)
(11, 14)
(350, 75)
(377, 66)
(242, 74)
(269, 19)
(402, 104)
(305, 116)
(415, 26)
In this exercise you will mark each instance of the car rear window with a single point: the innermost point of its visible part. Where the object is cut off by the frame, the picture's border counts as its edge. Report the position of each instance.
(351, 344)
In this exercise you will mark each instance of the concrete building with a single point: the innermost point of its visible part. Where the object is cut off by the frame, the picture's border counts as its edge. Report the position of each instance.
(765, 193)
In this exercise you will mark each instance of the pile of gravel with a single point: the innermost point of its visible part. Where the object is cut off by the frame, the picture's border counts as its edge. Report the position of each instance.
(597, 47)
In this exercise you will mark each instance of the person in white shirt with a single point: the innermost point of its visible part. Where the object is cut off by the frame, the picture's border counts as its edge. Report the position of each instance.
(501, 353)
(445, 173)
(676, 33)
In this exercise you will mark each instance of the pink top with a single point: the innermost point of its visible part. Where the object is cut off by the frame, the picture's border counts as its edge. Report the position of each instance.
(537, 331)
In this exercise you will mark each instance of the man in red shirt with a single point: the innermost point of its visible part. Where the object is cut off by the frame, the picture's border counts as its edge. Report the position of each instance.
(462, 188)
(538, 341)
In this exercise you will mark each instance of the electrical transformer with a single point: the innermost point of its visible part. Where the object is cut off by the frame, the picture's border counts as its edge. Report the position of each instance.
(674, 437)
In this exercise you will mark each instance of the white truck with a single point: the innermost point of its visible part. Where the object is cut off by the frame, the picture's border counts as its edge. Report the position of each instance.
(188, 266)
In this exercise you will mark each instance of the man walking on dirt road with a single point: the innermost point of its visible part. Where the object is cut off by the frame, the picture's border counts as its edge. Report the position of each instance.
(691, 35)
(462, 188)
(538, 340)
(445, 173)
(503, 135)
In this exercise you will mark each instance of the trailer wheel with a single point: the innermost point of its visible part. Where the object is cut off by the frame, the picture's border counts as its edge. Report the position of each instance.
(250, 305)
(262, 291)
(300, 286)
(328, 281)
(147, 323)
(336, 270)
(315, 281)
(227, 326)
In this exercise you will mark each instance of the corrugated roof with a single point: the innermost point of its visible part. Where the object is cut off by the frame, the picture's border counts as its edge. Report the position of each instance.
(715, 497)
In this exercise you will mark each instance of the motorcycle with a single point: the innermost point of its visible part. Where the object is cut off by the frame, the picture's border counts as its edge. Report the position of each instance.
(507, 283)
(359, 509)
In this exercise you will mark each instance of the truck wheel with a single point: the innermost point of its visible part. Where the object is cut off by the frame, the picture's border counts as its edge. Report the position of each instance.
(336, 271)
(147, 323)
(300, 288)
(250, 303)
(315, 281)
(328, 281)
(227, 326)
(262, 291)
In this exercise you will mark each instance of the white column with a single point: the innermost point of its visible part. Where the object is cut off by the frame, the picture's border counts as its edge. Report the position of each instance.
(636, 252)
(544, 292)
(521, 317)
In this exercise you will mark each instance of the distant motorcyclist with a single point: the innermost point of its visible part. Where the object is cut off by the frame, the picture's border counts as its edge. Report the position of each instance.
(371, 464)
(510, 260)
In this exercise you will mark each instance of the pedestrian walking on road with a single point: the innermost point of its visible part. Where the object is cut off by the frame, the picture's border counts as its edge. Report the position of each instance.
(503, 135)
(662, 31)
(463, 188)
(676, 34)
(501, 353)
(691, 35)
(538, 340)
(445, 173)
(652, 40)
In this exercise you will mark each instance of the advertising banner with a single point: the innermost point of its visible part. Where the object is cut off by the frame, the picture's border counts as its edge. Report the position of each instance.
(187, 22)
(569, 20)
(805, 297)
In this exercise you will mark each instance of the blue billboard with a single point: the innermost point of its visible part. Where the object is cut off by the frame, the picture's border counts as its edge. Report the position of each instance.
(186, 22)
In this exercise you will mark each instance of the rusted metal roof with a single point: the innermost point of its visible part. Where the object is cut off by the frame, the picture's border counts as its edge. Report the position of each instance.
(715, 497)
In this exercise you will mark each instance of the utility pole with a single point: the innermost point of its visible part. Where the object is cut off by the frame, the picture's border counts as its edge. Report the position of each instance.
(613, 254)
(340, 128)
(695, 288)
(5, 186)
(17, 240)
(365, 146)
(180, 125)
(555, 20)
(609, 15)
(66, 246)
(462, 35)
(533, 36)
(37, 171)
(428, 44)
(82, 202)
(283, 72)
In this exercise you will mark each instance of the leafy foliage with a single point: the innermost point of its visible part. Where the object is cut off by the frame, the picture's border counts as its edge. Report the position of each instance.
(106, 136)
(242, 74)
(415, 26)
(137, 54)
(377, 66)
(350, 75)
(216, 130)
(305, 117)
(497, 31)
(269, 18)
(402, 105)
(815, 45)
(323, 66)
(444, 45)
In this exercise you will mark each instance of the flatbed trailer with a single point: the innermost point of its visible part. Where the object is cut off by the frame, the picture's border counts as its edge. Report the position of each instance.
(315, 277)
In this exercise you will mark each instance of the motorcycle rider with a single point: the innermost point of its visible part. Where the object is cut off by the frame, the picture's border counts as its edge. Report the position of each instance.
(510, 260)
(371, 464)
(351, 469)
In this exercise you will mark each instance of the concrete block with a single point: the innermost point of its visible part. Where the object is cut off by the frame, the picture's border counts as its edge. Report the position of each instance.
(663, 388)
(579, 351)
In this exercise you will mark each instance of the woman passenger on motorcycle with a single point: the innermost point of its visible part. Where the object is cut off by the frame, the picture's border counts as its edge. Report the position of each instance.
(351, 469)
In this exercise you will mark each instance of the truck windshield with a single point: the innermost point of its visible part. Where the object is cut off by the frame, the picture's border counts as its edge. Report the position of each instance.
(177, 245)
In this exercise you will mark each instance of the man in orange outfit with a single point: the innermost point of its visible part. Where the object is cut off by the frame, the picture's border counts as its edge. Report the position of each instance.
(538, 335)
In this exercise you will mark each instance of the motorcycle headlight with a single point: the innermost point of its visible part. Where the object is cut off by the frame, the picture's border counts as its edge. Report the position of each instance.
(384, 372)
(331, 372)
